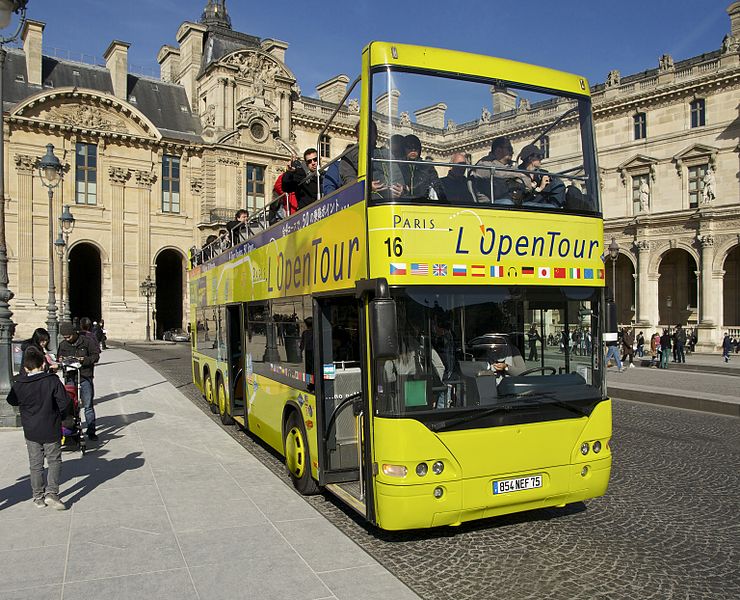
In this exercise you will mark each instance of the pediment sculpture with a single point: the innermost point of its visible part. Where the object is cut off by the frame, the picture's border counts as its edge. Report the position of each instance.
(87, 117)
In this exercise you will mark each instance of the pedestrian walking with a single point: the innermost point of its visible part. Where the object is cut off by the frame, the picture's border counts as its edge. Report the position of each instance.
(534, 337)
(655, 350)
(640, 345)
(612, 344)
(76, 345)
(665, 348)
(628, 349)
(726, 347)
(679, 339)
(42, 402)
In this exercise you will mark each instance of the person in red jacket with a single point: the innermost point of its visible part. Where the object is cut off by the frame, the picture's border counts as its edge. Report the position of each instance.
(289, 203)
(42, 401)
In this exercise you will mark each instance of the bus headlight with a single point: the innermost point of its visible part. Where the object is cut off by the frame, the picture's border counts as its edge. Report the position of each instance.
(422, 469)
(597, 447)
(438, 467)
(394, 470)
(584, 448)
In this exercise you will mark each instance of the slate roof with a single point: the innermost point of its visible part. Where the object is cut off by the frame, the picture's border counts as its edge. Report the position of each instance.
(165, 104)
(221, 41)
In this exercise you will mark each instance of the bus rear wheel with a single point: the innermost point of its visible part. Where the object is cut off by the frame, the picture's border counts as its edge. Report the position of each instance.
(297, 456)
(222, 404)
(208, 390)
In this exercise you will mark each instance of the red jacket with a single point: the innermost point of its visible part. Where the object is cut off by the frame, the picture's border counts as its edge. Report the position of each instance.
(277, 189)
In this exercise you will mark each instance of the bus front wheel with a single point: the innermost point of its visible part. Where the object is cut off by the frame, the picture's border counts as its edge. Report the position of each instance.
(297, 456)
(208, 389)
(223, 400)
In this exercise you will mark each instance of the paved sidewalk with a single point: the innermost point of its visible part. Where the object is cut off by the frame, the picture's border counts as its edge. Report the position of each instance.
(169, 506)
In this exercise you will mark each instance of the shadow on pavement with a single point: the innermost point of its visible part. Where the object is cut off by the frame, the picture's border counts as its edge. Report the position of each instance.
(125, 393)
(95, 470)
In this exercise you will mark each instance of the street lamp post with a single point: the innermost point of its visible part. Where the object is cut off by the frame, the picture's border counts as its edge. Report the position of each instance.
(50, 171)
(67, 224)
(148, 288)
(7, 417)
(614, 255)
(60, 246)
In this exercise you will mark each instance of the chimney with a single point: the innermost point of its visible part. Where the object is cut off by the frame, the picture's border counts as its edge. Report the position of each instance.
(116, 61)
(168, 58)
(190, 36)
(33, 33)
(734, 11)
(432, 116)
(385, 99)
(503, 100)
(276, 48)
(334, 89)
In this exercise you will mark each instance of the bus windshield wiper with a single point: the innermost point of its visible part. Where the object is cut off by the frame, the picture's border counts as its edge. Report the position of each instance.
(447, 423)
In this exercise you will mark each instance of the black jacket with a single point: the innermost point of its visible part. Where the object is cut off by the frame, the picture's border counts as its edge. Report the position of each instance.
(303, 185)
(85, 349)
(42, 400)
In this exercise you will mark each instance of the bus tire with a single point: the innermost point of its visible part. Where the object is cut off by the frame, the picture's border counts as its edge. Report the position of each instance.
(297, 456)
(222, 400)
(208, 392)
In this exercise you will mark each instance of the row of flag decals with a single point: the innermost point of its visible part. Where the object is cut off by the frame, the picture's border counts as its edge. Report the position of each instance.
(479, 270)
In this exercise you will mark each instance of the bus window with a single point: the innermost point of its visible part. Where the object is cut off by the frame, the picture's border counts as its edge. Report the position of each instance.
(461, 349)
(424, 121)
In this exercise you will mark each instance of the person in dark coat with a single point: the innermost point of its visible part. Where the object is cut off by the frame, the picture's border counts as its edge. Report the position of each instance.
(85, 349)
(453, 187)
(304, 185)
(665, 349)
(726, 347)
(542, 190)
(42, 401)
(418, 176)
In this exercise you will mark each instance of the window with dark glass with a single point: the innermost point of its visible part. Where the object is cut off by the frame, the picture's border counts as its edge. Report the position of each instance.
(698, 113)
(86, 173)
(325, 146)
(255, 186)
(170, 184)
(696, 184)
(640, 121)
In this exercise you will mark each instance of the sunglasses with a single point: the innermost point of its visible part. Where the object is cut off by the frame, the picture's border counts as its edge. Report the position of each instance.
(311, 160)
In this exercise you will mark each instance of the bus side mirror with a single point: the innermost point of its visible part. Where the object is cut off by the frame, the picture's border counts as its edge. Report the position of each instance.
(383, 328)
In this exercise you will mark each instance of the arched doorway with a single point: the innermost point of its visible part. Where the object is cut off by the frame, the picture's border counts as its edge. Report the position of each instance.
(85, 281)
(731, 289)
(625, 288)
(677, 289)
(169, 275)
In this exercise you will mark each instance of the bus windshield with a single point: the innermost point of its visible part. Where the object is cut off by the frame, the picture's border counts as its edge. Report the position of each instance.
(532, 149)
(516, 347)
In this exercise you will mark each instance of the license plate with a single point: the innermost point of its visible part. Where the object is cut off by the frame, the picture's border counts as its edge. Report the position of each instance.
(517, 484)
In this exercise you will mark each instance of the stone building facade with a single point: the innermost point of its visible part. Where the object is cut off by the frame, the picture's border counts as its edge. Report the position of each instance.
(173, 158)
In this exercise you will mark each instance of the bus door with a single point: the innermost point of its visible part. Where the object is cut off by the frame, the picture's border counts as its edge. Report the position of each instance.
(340, 333)
(235, 359)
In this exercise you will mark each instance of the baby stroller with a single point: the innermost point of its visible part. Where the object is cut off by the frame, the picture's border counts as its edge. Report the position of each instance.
(72, 436)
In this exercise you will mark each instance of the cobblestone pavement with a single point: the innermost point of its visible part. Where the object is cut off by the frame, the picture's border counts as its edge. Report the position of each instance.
(668, 527)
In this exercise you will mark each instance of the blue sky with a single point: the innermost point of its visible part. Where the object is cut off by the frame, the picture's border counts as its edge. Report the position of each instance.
(588, 37)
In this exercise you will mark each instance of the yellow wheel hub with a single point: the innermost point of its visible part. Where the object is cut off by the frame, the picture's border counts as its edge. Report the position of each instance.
(295, 452)
(221, 399)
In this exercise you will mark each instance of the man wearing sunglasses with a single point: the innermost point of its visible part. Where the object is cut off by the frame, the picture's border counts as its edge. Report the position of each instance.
(304, 184)
(508, 186)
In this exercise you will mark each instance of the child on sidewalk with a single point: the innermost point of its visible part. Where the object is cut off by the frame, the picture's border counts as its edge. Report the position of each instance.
(42, 401)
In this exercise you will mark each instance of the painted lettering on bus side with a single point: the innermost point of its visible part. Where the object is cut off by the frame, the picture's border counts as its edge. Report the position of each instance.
(324, 262)
(552, 244)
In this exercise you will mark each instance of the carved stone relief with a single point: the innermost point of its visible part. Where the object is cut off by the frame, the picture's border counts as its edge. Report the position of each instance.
(118, 175)
(145, 178)
(24, 163)
(87, 117)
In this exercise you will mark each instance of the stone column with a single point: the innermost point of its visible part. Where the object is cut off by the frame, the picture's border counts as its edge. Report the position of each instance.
(647, 299)
(24, 165)
(118, 177)
(709, 292)
(285, 116)
(221, 111)
(145, 180)
(230, 103)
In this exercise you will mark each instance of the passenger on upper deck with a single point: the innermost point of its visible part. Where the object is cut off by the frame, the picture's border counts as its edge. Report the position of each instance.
(305, 185)
(453, 188)
(508, 187)
(541, 190)
(418, 177)
(238, 229)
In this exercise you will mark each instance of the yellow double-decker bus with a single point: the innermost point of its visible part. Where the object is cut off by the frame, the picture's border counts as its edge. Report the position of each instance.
(424, 341)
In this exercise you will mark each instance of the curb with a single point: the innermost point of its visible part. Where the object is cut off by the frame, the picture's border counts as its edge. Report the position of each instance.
(710, 405)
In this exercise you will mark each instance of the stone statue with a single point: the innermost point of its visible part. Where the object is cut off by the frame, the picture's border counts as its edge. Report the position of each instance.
(665, 63)
(729, 44)
(485, 115)
(209, 116)
(613, 79)
(644, 196)
(523, 104)
(708, 193)
(451, 125)
(353, 105)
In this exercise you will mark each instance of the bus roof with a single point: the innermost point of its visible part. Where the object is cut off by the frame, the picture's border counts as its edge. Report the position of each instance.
(474, 65)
